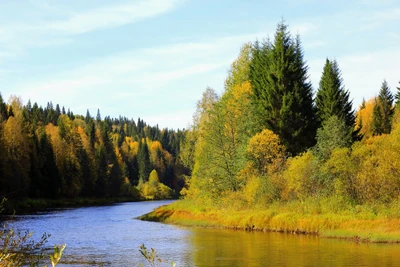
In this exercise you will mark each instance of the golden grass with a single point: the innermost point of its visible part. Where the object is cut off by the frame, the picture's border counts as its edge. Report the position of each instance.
(347, 224)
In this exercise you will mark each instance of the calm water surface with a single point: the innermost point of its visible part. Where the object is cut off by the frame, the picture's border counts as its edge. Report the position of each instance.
(110, 236)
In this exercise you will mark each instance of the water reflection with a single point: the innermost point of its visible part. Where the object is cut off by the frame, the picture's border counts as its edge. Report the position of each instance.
(238, 248)
(109, 236)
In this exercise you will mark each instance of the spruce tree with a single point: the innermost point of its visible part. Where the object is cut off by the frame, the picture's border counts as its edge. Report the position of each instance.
(98, 116)
(3, 109)
(332, 99)
(397, 97)
(88, 118)
(144, 161)
(383, 111)
(282, 92)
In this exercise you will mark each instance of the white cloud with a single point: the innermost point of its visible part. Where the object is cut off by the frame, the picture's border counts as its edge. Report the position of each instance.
(112, 16)
(16, 37)
(171, 120)
(388, 14)
(376, 3)
(304, 28)
(160, 72)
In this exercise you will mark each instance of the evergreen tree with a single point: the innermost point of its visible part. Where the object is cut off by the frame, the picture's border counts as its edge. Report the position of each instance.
(278, 76)
(57, 112)
(144, 161)
(102, 177)
(98, 116)
(3, 109)
(332, 99)
(397, 97)
(88, 118)
(91, 132)
(334, 133)
(383, 111)
(49, 169)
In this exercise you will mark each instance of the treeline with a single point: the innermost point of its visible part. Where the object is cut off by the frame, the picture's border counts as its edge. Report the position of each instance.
(52, 153)
(270, 138)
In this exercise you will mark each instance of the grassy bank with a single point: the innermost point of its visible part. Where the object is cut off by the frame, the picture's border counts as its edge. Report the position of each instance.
(358, 223)
(28, 205)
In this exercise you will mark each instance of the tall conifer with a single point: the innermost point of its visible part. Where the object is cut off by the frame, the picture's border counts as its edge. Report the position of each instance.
(282, 92)
(332, 99)
(383, 111)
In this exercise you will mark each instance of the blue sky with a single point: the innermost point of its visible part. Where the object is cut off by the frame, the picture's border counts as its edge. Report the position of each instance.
(153, 59)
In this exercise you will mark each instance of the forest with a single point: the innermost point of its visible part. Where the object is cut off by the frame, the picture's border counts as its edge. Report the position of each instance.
(52, 153)
(269, 140)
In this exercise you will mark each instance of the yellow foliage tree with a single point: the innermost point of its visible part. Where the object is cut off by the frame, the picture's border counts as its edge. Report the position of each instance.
(266, 152)
(342, 168)
(364, 118)
(378, 178)
(153, 189)
(17, 157)
(301, 177)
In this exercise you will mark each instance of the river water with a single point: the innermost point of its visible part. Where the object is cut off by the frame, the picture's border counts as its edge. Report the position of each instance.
(110, 236)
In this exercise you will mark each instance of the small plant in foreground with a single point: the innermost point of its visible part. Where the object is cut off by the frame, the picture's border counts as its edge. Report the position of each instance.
(151, 256)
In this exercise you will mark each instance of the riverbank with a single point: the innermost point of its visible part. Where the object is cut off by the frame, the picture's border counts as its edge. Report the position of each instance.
(29, 205)
(358, 223)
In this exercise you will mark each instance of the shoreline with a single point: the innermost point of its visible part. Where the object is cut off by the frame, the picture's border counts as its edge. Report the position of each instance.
(323, 225)
(29, 205)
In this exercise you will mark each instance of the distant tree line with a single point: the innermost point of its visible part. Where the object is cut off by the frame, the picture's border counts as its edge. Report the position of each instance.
(52, 153)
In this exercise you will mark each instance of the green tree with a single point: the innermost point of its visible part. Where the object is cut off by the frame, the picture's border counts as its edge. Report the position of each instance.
(223, 153)
(144, 161)
(383, 111)
(102, 172)
(397, 97)
(88, 118)
(332, 99)
(278, 76)
(334, 133)
(3, 109)
(98, 116)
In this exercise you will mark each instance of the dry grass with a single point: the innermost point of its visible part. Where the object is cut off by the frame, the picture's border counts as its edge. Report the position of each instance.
(359, 225)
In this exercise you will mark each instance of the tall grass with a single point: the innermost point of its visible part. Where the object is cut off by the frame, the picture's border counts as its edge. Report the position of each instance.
(326, 217)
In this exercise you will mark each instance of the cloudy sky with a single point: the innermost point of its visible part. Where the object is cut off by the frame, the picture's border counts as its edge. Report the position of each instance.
(153, 58)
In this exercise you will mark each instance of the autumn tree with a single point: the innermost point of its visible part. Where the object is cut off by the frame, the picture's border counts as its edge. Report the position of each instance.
(240, 68)
(364, 118)
(16, 144)
(266, 152)
(3, 156)
(282, 92)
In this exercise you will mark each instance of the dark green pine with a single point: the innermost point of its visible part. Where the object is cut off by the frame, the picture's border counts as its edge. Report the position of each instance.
(332, 99)
(282, 92)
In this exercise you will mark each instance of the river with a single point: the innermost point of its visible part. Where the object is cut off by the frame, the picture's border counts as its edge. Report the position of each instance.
(110, 236)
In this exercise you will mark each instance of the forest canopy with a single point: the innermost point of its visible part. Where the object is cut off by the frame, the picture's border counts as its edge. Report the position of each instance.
(52, 153)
